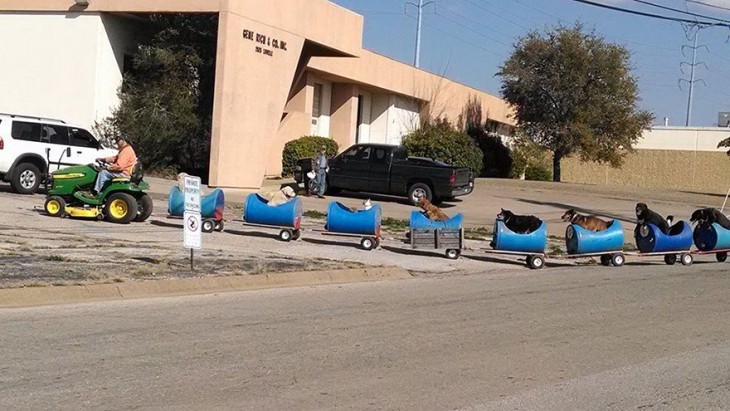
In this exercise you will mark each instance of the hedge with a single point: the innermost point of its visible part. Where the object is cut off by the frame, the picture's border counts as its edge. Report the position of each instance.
(305, 147)
(443, 143)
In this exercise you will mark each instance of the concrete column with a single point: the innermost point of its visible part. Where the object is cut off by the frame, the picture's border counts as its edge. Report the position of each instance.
(256, 65)
(343, 120)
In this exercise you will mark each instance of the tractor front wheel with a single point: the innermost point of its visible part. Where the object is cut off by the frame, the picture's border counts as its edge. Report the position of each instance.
(121, 208)
(55, 206)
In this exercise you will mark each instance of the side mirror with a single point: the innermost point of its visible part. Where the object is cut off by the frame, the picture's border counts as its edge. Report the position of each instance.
(68, 151)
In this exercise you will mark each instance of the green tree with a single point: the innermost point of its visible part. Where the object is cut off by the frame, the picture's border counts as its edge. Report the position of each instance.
(166, 101)
(573, 93)
(725, 143)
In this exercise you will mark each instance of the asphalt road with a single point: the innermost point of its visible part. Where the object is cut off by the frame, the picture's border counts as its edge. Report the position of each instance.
(639, 337)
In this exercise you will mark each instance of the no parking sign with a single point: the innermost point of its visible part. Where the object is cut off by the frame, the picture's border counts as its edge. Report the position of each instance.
(191, 218)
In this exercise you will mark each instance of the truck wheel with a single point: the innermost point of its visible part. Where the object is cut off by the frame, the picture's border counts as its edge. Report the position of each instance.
(121, 208)
(26, 179)
(418, 191)
(144, 208)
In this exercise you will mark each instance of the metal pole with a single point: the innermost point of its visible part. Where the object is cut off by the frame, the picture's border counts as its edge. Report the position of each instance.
(725, 202)
(417, 63)
(192, 268)
(692, 80)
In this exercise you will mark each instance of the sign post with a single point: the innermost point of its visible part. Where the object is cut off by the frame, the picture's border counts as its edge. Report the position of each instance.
(193, 236)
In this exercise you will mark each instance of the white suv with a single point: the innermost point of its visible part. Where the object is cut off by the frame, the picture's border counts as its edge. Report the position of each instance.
(27, 142)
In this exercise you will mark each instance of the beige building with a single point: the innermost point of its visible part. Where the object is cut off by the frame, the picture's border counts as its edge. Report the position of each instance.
(285, 68)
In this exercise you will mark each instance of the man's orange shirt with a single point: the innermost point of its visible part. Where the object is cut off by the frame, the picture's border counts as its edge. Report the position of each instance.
(126, 159)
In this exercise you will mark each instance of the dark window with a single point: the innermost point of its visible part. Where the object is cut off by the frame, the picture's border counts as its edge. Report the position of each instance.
(400, 153)
(26, 131)
(380, 155)
(363, 154)
(54, 134)
(351, 154)
(82, 138)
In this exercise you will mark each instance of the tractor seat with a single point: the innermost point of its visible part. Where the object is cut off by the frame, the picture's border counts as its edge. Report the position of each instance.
(135, 178)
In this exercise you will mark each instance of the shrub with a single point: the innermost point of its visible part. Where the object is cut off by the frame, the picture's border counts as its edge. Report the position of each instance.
(497, 159)
(443, 143)
(538, 172)
(305, 147)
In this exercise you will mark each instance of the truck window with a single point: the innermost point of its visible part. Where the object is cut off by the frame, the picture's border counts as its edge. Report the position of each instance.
(26, 131)
(54, 134)
(380, 155)
(82, 138)
(400, 153)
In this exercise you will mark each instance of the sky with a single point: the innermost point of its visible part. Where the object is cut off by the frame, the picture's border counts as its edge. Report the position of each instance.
(468, 40)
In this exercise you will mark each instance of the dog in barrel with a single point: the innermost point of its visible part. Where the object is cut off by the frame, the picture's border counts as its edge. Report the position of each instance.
(646, 216)
(520, 224)
(588, 222)
(708, 216)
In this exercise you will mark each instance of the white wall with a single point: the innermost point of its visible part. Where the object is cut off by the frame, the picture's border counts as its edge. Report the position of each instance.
(392, 117)
(683, 138)
(66, 66)
(49, 65)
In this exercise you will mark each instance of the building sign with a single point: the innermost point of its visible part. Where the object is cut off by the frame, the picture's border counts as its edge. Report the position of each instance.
(264, 44)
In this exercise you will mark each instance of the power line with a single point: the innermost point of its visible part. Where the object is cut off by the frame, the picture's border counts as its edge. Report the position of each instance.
(680, 11)
(470, 29)
(495, 14)
(707, 5)
(656, 16)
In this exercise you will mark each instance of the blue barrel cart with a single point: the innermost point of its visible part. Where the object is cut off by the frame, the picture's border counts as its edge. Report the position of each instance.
(532, 245)
(344, 222)
(608, 243)
(211, 208)
(438, 235)
(651, 241)
(287, 217)
(712, 239)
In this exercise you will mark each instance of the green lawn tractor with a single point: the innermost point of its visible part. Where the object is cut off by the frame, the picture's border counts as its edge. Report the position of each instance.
(121, 200)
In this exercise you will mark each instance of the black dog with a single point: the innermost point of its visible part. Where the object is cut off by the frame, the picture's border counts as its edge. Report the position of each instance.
(521, 224)
(646, 216)
(707, 216)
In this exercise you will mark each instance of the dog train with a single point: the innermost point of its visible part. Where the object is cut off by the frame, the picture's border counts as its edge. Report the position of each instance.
(521, 235)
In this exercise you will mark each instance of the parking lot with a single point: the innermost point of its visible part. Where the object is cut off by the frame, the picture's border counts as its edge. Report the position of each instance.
(39, 250)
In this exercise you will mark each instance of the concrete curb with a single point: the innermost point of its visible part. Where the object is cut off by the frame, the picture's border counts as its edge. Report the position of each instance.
(51, 295)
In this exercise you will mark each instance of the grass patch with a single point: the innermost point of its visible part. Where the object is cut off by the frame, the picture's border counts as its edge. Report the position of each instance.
(477, 233)
(315, 214)
(556, 250)
(395, 223)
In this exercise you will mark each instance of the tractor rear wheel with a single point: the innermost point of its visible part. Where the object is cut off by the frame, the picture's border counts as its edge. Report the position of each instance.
(144, 208)
(121, 208)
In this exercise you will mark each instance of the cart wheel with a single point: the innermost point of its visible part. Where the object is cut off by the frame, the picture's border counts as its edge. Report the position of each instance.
(618, 259)
(377, 242)
(367, 243)
(453, 254)
(721, 257)
(686, 259)
(296, 235)
(208, 226)
(285, 235)
(219, 226)
(606, 260)
(536, 262)
(670, 259)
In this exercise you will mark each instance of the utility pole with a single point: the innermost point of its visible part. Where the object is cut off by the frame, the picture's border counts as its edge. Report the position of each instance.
(420, 6)
(692, 79)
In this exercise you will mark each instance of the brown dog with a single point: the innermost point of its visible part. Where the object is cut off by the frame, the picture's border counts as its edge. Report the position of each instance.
(590, 222)
(432, 212)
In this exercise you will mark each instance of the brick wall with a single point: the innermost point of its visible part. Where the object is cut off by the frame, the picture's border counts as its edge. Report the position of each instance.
(699, 171)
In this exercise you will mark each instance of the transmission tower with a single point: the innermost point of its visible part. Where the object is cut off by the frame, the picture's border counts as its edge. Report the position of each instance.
(692, 80)
(420, 6)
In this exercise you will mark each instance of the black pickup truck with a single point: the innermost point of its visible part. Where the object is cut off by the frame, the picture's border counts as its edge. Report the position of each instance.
(386, 169)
